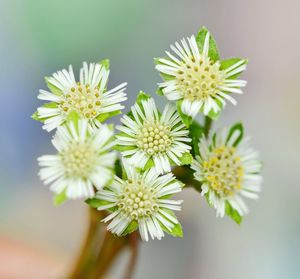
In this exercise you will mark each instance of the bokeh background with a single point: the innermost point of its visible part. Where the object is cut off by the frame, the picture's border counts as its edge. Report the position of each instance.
(40, 37)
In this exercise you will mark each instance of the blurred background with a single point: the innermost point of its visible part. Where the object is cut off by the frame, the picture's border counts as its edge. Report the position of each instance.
(40, 37)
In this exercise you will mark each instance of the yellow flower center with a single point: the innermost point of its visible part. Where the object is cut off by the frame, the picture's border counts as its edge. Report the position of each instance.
(154, 137)
(223, 171)
(138, 200)
(84, 100)
(79, 159)
(199, 79)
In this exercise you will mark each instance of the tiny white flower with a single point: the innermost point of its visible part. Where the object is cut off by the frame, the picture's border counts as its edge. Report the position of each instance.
(83, 160)
(227, 171)
(142, 200)
(88, 97)
(200, 82)
(149, 135)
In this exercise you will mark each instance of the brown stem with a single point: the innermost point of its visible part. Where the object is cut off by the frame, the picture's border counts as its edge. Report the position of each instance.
(112, 246)
(134, 246)
(85, 259)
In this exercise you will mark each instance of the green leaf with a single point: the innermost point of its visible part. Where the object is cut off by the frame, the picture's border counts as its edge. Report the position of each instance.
(35, 115)
(105, 63)
(238, 127)
(177, 230)
(159, 92)
(60, 198)
(196, 132)
(131, 228)
(95, 203)
(233, 214)
(164, 76)
(186, 158)
(149, 164)
(55, 90)
(213, 52)
(225, 64)
(142, 96)
(104, 116)
(187, 120)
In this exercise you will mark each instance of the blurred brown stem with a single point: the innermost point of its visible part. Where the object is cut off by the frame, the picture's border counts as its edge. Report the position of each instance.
(134, 247)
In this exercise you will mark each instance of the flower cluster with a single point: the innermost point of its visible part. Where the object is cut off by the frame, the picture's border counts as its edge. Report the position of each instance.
(159, 151)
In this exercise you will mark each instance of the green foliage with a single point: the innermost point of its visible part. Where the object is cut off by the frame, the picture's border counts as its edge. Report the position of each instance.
(225, 64)
(105, 63)
(177, 230)
(213, 52)
(35, 115)
(55, 90)
(60, 198)
(186, 158)
(196, 132)
(233, 214)
(142, 96)
(131, 228)
(104, 116)
(95, 203)
(238, 127)
(187, 120)
(159, 92)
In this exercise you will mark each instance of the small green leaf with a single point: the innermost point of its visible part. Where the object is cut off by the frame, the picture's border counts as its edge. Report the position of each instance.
(149, 164)
(35, 115)
(105, 63)
(55, 90)
(213, 52)
(233, 214)
(196, 132)
(60, 198)
(131, 228)
(186, 158)
(177, 230)
(142, 96)
(159, 92)
(104, 116)
(95, 203)
(164, 76)
(225, 64)
(187, 120)
(238, 127)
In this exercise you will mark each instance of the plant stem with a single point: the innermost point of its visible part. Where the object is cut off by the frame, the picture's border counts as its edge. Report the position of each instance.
(85, 259)
(185, 175)
(134, 245)
(207, 125)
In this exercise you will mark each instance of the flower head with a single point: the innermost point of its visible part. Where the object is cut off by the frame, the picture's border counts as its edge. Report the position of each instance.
(83, 160)
(141, 201)
(88, 97)
(228, 170)
(197, 78)
(150, 138)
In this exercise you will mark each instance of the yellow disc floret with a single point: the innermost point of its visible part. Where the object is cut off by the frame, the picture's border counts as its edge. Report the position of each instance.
(78, 159)
(199, 79)
(154, 137)
(223, 171)
(137, 200)
(83, 99)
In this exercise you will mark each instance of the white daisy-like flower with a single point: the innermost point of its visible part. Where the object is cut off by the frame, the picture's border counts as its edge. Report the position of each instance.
(83, 160)
(142, 201)
(88, 97)
(149, 135)
(202, 83)
(228, 171)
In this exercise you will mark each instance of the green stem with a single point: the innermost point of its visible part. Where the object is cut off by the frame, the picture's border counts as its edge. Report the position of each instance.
(134, 247)
(207, 125)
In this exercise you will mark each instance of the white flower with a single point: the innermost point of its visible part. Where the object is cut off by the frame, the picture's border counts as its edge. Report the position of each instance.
(88, 97)
(149, 135)
(82, 163)
(196, 79)
(227, 172)
(141, 201)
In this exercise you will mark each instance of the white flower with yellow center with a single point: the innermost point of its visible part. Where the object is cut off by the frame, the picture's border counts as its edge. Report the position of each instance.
(197, 78)
(228, 170)
(142, 201)
(149, 138)
(83, 160)
(88, 97)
